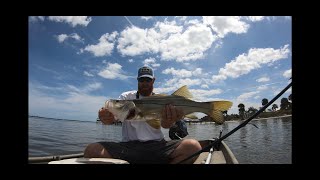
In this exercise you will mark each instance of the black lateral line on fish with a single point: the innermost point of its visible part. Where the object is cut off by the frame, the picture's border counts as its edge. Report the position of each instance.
(174, 104)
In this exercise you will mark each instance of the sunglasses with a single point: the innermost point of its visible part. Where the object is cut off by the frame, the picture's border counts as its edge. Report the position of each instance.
(145, 79)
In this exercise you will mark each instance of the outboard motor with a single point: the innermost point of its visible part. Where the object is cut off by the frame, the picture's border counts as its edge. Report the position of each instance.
(178, 130)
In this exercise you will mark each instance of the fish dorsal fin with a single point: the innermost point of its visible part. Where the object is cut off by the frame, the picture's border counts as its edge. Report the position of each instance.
(158, 95)
(183, 92)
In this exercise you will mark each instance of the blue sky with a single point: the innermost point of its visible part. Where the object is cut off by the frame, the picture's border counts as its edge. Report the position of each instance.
(77, 63)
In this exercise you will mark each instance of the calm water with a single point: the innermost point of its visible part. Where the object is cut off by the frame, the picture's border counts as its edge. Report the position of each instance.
(271, 143)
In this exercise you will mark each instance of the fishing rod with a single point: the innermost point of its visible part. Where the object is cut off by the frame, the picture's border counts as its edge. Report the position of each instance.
(208, 160)
(218, 140)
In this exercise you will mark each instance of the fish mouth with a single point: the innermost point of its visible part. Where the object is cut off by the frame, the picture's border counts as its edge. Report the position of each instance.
(108, 104)
(131, 114)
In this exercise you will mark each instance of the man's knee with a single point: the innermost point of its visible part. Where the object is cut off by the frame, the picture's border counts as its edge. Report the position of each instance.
(191, 144)
(90, 149)
(95, 150)
(186, 148)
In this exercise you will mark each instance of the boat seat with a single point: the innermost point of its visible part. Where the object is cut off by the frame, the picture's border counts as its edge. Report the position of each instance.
(216, 158)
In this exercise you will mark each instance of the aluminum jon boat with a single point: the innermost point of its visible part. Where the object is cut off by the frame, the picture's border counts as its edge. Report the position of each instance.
(220, 155)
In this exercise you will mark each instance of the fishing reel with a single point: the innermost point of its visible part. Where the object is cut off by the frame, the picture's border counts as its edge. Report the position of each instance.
(178, 130)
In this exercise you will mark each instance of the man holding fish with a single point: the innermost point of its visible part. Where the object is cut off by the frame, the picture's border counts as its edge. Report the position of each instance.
(142, 114)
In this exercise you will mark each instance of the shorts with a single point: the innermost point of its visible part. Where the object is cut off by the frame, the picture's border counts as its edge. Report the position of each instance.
(136, 152)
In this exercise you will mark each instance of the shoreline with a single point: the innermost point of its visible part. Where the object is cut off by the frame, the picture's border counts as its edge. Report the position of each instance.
(235, 120)
(256, 119)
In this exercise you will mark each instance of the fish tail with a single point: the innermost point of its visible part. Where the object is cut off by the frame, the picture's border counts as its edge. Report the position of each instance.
(217, 107)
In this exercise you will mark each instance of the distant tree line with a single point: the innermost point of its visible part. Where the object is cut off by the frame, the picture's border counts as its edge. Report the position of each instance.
(285, 109)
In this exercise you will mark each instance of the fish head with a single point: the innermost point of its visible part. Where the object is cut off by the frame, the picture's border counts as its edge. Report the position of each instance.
(120, 108)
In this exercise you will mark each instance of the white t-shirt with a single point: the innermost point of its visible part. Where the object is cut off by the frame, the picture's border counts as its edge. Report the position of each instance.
(138, 130)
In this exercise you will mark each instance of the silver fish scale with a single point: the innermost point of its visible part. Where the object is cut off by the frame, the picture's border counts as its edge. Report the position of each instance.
(155, 104)
(174, 100)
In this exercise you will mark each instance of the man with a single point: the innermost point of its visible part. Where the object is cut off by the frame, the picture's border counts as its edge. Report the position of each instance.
(142, 143)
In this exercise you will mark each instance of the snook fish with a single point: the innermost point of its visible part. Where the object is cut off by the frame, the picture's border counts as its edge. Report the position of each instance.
(149, 108)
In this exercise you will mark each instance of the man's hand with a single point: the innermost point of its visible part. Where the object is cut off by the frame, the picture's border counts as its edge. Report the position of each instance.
(170, 115)
(105, 116)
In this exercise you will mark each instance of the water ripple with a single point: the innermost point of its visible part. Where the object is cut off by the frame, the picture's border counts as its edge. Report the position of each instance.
(271, 143)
